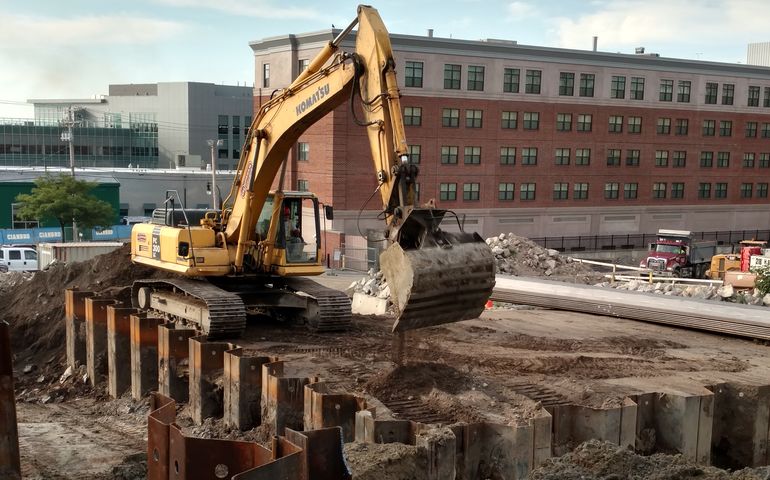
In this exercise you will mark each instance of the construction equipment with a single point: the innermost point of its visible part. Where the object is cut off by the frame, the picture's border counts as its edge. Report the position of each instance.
(257, 249)
(749, 256)
(677, 253)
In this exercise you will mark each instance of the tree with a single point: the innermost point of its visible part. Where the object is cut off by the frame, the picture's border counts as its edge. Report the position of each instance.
(63, 198)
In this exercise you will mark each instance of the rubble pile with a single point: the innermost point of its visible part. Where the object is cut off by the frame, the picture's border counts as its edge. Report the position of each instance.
(725, 293)
(515, 255)
(373, 284)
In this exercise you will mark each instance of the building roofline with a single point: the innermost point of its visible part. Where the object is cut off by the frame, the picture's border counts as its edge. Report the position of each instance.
(65, 101)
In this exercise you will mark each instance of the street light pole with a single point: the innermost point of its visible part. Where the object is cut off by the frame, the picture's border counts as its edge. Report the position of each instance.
(212, 144)
(68, 136)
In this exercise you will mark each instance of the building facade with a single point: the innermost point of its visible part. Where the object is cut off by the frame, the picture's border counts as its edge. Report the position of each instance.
(159, 125)
(548, 142)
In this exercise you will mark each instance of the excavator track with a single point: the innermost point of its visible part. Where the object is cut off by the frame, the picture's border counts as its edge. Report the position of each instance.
(226, 313)
(334, 311)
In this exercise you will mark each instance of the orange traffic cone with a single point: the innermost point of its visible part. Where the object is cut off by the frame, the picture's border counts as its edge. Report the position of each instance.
(489, 304)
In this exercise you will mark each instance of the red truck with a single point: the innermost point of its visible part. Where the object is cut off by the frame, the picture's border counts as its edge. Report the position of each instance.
(677, 253)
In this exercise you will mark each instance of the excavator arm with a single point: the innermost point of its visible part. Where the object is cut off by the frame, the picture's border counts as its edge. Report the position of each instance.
(435, 276)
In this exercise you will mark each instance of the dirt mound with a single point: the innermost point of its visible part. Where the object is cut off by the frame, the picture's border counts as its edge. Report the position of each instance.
(35, 307)
(594, 460)
(387, 461)
(417, 379)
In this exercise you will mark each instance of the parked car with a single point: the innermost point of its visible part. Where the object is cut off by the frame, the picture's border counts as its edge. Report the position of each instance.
(17, 259)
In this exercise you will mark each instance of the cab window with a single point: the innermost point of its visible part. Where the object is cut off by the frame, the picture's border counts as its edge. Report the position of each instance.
(30, 255)
(14, 255)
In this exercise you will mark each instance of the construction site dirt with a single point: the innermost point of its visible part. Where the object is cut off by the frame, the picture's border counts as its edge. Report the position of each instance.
(502, 368)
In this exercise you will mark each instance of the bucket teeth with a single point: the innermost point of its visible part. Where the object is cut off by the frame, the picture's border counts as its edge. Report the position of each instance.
(433, 286)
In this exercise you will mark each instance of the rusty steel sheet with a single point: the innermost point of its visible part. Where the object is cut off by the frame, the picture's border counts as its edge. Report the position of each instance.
(118, 350)
(10, 465)
(283, 398)
(96, 338)
(243, 388)
(173, 361)
(144, 354)
(207, 364)
(75, 327)
(173, 455)
(324, 408)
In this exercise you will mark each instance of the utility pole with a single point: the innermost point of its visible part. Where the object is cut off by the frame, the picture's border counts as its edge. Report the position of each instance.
(68, 136)
(212, 144)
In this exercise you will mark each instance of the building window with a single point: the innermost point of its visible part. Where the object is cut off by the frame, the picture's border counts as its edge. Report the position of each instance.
(706, 159)
(562, 156)
(637, 88)
(472, 156)
(746, 190)
(449, 155)
(682, 126)
(580, 191)
(683, 91)
(728, 93)
(476, 78)
(766, 130)
(470, 191)
(303, 151)
(222, 125)
(753, 100)
(666, 90)
(659, 190)
(680, 159)
(711, 93)
(709, 128)
(587, 81)
(677, 190)
(611, 190)
(450, 117)
(303, 186)
(509, 120)
(236, 126)
(505, 191)
(764, 160)
(616, 123)
(412, 116)
(762, 190)
(723, 159)
(447, 191)
(415, 152)
(532, 81)
(634, 124)
(566, 84)
(613, 157)
(584, 122)
(632, 158)
(560, 191)
(766, 100)
(246, 125)
(725, 128)
(630, 191)
(303, 63)
(748, 160)
(582, 156)
(563, 122)
(720, 190)
(664, 126)
(473, 118)
(507, 155)
(661, 158)
(751, 129)
(452, 74)
(618, 87)
(527, 191)
(265, 75)
(531, 120)
(413, 74)
(511, 80)
(529, 156)
(704, 190)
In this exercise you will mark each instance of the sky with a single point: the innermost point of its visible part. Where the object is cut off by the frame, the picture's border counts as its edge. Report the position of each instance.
(76, 48)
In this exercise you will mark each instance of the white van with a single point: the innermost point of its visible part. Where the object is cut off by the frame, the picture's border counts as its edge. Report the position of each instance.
(17, 259)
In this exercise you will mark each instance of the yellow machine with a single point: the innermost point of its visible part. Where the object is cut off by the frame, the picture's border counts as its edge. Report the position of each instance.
(256, 251)
(723, 262)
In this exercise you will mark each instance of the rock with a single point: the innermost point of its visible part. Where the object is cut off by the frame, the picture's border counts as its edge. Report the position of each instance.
(553, 253)
(497, 250)
(632, 285)
(384, 293)
(41, 379)
(726, 291)
(700, 293)
(766, 299)
(550, 263)
(85, 378)
(29, 368)
(548, 272)
(66, 375)
(46, 399)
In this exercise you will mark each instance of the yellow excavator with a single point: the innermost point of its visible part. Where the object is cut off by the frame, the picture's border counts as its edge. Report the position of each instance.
(253, 256)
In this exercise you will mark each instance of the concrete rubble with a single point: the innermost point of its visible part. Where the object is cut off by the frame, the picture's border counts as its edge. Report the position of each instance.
(723, 293)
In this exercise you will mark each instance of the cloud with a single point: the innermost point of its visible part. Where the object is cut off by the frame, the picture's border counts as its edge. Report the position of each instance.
(621, 24)
(518, 10)
(24, 31)
(253, 8)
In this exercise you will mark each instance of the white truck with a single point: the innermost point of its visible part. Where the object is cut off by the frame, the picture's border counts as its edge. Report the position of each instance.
(15, 258)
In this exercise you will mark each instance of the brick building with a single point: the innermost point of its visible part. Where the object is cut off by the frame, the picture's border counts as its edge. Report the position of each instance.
(549, 142)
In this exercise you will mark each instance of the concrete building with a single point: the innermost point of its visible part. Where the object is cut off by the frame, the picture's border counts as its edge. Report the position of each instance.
(158, 125)
(549, 142)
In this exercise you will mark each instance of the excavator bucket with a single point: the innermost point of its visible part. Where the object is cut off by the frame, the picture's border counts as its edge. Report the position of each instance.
(441, 283)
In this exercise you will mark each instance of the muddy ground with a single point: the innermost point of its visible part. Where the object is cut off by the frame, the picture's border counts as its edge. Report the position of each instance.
(501, 367)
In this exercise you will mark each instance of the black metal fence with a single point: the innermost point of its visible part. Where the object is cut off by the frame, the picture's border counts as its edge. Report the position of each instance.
(641, 240)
